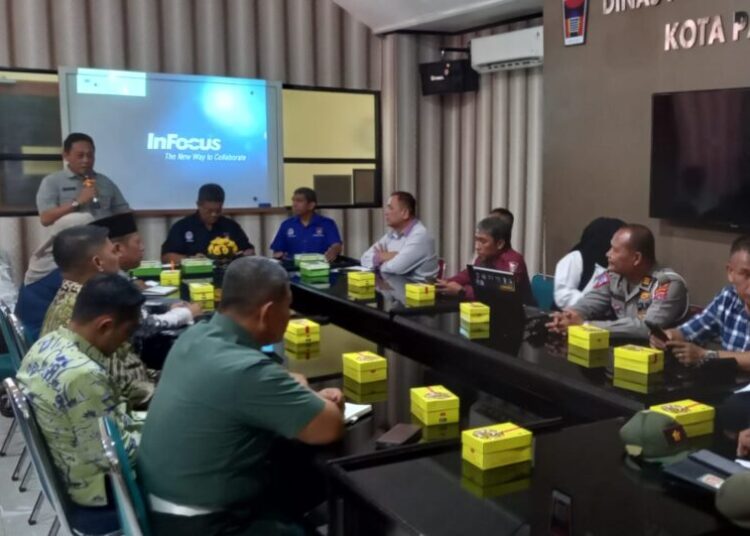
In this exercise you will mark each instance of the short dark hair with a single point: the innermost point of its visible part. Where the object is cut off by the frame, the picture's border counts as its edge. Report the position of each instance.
(504, 214)
(213, 193)
(74, 247)
(497, 228)
(741, 243)
(407, 201)
(75, 137)
(250, 282)
(108, 294)
(641, 240)
(308, 193)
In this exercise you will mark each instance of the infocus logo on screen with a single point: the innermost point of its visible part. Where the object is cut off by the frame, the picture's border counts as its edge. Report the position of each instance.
(174, 141)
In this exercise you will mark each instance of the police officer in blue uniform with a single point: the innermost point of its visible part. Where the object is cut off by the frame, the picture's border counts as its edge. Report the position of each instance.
(191, 236)
(306, 231)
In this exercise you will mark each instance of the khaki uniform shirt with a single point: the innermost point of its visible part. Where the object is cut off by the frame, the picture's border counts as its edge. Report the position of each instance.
(660, 298)
(69, 389)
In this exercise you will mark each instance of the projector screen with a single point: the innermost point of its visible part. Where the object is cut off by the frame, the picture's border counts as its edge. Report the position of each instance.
(159, 137)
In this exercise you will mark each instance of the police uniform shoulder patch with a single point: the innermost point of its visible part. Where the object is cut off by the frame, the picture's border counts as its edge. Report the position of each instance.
(602, 280)
(661, 292)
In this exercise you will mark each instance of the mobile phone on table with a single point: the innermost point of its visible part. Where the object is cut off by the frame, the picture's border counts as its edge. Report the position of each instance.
(656, 331)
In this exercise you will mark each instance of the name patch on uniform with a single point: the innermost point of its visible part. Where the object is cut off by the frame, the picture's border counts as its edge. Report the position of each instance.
(69, 189)
(660, 294)
(602, 280)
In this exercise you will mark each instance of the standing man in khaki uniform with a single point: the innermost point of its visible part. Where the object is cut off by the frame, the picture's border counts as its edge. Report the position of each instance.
(634, 290)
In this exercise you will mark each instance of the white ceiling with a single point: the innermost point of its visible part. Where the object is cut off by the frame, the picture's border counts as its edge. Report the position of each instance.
(435, 15)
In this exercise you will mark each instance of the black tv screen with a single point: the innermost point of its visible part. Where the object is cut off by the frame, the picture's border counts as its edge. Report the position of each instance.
(700, 157)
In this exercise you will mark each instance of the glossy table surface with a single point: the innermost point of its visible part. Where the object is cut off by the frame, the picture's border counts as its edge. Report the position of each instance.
(434, 493)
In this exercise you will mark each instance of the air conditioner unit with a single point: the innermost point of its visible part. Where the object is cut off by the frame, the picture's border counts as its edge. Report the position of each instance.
(511, 50)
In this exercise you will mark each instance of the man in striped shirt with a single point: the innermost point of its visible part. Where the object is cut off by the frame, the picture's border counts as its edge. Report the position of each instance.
(727, 317)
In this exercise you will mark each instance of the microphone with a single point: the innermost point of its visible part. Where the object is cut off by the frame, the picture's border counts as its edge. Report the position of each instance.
(89, 180)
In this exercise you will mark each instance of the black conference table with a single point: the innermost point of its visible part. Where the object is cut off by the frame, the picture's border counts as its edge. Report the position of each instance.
(521, 364)
(579, 471)
(390, 398)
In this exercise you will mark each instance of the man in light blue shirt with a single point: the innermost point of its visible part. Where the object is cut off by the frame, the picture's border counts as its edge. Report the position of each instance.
(407, 248)
(306, 231)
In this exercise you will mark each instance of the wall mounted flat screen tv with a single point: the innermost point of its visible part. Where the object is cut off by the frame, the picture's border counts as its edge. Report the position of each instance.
(700, 157)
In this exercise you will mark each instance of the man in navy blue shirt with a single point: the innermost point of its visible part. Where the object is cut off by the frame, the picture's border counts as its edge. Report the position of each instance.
(191, 236)
(727, 318)
(306, 231)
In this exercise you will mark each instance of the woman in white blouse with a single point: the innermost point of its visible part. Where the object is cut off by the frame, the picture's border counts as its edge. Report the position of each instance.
(577, 271)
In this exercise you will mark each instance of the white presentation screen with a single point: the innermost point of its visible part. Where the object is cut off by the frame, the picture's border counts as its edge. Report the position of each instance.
(161, 136)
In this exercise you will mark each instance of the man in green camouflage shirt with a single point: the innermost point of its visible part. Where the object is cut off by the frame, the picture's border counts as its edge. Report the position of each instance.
(65, 378)
(82, 252)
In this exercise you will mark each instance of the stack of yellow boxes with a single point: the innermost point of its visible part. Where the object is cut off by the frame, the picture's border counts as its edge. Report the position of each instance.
(697, 419)
(361, 285)
(638, 368)
(302, 339)
(365, 393)
(434, 405)
(495, 482)
(203, 295)
(419, 294)
(365, 367)
(588, 346)
(496, 446)
(475, 320)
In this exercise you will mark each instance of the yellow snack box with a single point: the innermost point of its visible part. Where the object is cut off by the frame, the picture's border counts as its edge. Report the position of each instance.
(639, 359)
(497, 445)
(365, 367)
(360, 279)
(696, 418)
(303, 326)
(495, 459)
(291, 340)
(588, 358)
(434, 405)
(420, 291)
(200, 292)
(474, 312)
(169, 278)
(588, 337)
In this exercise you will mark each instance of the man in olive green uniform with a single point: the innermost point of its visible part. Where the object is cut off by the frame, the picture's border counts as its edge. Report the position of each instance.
(221, 404)
(82, 252)
(65, 379)
(634, 291)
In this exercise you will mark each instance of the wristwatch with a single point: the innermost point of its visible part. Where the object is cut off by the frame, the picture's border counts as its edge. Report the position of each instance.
(75, 204)
(711, 354)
